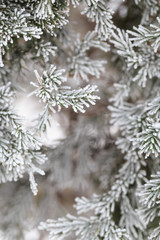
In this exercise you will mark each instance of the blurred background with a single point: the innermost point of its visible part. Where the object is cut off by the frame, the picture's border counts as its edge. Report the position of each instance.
(79, 146)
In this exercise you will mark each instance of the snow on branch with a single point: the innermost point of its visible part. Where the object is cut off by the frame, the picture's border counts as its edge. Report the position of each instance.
(55, 96)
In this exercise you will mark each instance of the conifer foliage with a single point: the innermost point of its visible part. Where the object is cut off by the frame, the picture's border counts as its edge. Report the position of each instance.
(41, 31)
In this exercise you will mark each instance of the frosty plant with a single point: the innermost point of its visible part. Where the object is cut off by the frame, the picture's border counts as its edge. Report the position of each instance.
(24, 25)
(126, 164)
(50, 91)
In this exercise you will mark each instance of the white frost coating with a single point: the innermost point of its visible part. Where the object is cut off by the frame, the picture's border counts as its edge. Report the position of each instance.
(35, 31)
(19, 148)
(55, 96)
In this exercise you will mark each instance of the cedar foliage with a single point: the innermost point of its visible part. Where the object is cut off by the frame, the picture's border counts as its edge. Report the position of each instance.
(115, 148)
